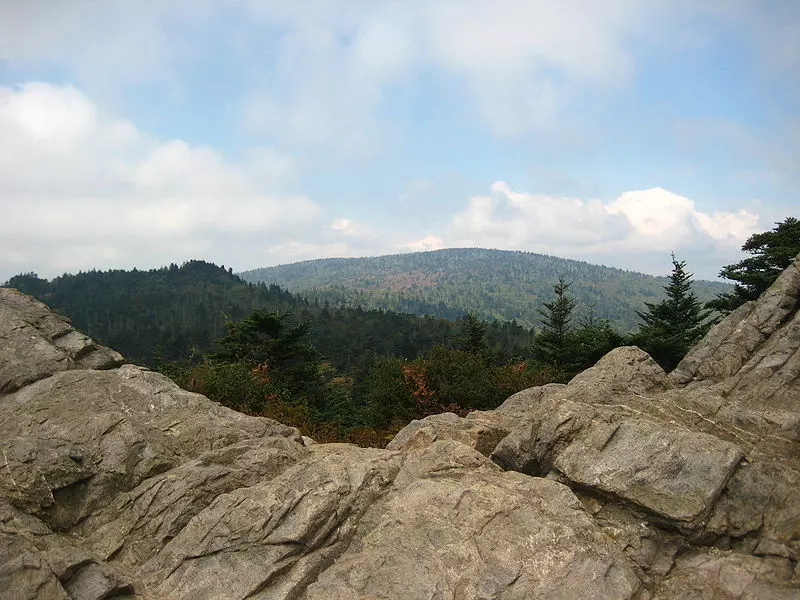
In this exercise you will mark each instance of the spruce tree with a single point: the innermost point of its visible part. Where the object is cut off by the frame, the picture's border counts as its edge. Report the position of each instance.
(552, 344)
(472, 337)
(772, 251)
(670, 327)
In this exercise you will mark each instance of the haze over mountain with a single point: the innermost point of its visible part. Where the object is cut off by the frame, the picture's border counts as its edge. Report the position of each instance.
(496, 284)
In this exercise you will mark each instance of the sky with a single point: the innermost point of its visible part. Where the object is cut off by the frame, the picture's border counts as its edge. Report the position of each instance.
(263, 132)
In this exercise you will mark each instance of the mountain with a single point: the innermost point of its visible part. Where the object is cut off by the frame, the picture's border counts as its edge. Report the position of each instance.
(177, 311)
(496, 284)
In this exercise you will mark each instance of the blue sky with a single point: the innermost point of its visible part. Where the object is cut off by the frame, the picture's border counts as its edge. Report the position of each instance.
(269, 131)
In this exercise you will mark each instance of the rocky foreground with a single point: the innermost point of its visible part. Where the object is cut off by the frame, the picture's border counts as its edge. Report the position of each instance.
(626, 483)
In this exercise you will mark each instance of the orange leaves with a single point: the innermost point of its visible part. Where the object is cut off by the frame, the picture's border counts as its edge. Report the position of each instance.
(426, 399)
(261, 372)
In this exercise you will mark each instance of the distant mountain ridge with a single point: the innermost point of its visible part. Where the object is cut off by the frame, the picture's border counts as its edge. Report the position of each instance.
(496, 284)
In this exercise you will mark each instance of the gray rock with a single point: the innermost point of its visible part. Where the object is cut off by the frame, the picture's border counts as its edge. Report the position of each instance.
(759, 510)
(480, 430)
(518, 408)
(271, 539)
(673, 472)
(35, 343)
(625, 371)
(38, 564)
(711, 573)
(137, 525)
(476, 533)
(73, 441)
(730, 344)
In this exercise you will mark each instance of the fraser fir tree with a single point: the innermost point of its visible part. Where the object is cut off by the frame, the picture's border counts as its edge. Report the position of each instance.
(772, 252)
(670, 327)
(552, 344)
(472, 338)
(276, 351)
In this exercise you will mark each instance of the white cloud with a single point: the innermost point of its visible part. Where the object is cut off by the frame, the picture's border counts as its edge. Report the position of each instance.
(323, 71)
(429, 242)
(319, 72)
(82, 189)
(352, 229)
(330, 67)
(293, 251)
(636, 230)
(661, 219)
(106, 46)
(340, 224)
(509, 219)
(518, 61)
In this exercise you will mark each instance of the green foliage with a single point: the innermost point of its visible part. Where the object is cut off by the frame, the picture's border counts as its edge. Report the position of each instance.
(441, 380)
(387, 393)
(590, 342)
(494, 284)
(772, 252)
(263, 337)
(276, 351)
(473, 337)
(180, 312)
(670, 327)
(567, 350)
(552, 344)
(29, 283)
(456, 380)
(232, 384)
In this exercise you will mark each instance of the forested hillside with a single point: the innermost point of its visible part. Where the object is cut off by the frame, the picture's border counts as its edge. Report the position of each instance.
(496, 284)
(179, 311)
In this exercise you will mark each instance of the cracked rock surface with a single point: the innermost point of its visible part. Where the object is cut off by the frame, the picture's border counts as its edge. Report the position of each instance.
(626, 483)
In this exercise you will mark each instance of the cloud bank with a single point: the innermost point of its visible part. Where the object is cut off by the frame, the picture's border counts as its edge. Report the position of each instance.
(319, 73)
(637, 230)
(83, 189)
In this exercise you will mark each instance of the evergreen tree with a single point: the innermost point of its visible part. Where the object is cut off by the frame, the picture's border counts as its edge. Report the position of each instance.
(552, 344)
(267, 344)
(772, 252)
(670, 327)
(591, 341)
(29, 283)
(473, 338)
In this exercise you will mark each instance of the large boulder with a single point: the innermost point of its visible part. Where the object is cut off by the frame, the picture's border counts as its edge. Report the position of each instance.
(73, 441)
(36, 342)
(455, 532)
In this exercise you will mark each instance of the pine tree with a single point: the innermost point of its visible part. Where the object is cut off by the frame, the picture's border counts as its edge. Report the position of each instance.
(670, 327)
(593, 339)
(472, 338)
(552, 344)
(266, 343)
(772, 252)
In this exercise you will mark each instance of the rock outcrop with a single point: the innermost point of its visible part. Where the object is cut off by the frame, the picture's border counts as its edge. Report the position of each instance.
(626, 483)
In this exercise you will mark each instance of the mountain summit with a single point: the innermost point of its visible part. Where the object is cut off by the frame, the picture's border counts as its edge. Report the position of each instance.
(496, 284)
